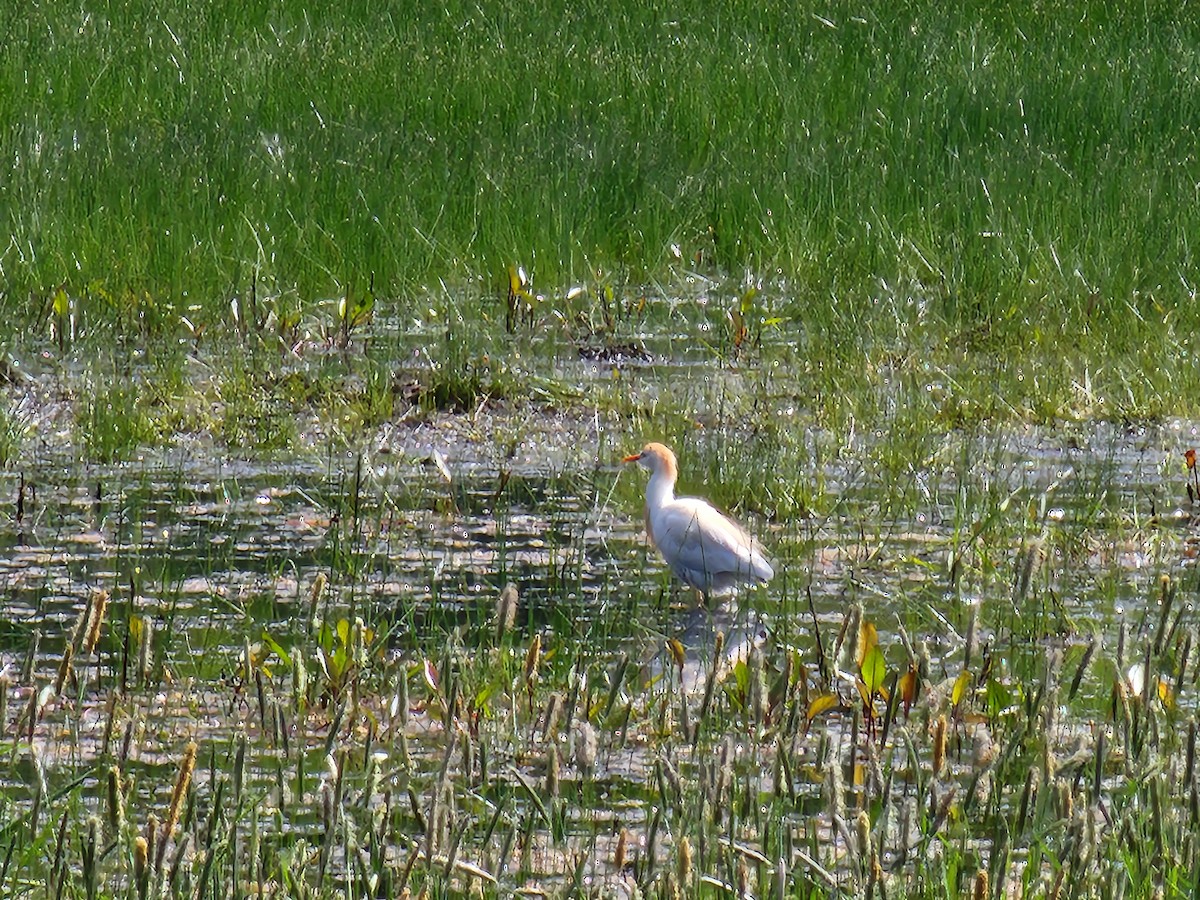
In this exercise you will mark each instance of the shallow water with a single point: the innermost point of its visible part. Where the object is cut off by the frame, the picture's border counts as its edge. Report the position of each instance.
(203, 539)
(418, 534)
(204, 542)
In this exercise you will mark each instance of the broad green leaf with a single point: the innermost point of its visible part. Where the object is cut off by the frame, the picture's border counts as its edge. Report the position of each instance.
(874, 669)
(276, 649)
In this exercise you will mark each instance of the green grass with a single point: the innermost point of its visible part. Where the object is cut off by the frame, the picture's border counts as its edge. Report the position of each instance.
(997, 170)
(962, 217)
(13, 432)
(113, 423)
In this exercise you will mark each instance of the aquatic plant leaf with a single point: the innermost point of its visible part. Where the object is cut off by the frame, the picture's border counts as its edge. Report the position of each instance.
(1190, 458)
(738, 321)
(330, 638)
(960, 687)
(998, 697)
(864, 694)
(356, 312)
(909, 683)
(675, 648)
(1165, 695)
(62, 303)
(482, 696)
(339, 662)
(820, 704)
(874, 670)
(868, 639)
(276, 649)
(747, 300)
(516, 281)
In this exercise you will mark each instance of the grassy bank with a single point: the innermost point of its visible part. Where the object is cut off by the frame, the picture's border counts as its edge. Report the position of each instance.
(995, 169)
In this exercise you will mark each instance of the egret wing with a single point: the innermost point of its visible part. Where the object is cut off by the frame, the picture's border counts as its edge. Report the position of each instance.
(706, 549)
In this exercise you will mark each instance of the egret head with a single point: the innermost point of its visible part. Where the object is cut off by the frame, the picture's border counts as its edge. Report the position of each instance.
(656, 458)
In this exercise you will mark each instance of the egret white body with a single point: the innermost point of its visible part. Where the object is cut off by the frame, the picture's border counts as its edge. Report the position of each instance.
(704, 548)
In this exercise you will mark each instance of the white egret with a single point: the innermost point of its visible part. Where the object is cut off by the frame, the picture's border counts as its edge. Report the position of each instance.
(704, 548)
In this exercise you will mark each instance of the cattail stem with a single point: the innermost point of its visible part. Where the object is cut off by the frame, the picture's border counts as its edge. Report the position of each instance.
(141, 869)
(64, 670)
(116, 800)
(96, 621)
(184, 780)
(939, 745)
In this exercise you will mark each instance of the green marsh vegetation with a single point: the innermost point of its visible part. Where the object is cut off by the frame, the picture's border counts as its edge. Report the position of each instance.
(998, 183)
(326, 325)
